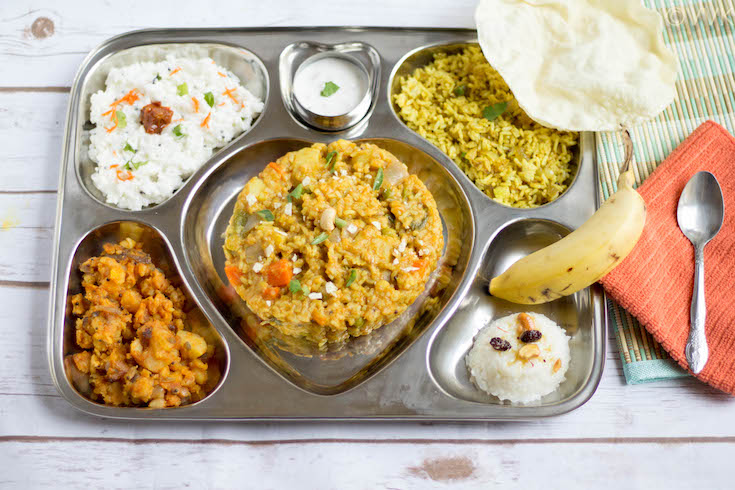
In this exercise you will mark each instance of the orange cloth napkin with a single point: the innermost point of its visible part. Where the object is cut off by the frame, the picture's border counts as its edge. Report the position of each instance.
(654, 283)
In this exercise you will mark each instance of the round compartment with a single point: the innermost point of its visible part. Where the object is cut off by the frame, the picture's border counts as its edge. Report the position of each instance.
(342, 109)
(206, 216)
(244, 64)
(158, 248)
(575, 314)
(296, 59)
(423, 56)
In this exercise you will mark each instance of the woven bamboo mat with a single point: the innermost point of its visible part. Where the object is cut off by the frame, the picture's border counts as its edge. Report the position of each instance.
(702, 35)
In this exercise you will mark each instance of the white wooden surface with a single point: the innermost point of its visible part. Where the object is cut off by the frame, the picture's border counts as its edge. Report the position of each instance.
(678, 434)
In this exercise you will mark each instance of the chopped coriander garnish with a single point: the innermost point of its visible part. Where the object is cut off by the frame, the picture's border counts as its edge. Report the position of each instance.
(121, 120)
(359, 322)
(294, 286)
(320, 238)
(329, 89)
(340, 223)
(351, 278)
(182, 89)
(158, 76)
(266, 215)
(129, 148)
(491, 112)
(209, 98)
(295, 193)
(378, 179)
(387, 193)
(330, 157)
(459, 90)
(463, 155)
(177, 131)
(131, 165)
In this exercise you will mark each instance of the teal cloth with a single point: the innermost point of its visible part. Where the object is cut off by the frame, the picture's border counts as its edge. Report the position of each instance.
(647, 370)
(640, 372)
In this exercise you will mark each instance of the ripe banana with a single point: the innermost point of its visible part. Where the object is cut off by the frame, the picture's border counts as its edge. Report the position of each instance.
(582, 257)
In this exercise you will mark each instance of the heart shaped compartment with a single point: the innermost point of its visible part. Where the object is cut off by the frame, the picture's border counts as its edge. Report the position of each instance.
(207, 213)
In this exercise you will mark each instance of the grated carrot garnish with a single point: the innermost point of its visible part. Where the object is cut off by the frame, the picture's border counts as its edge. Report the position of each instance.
(228, 93)
(205, 123)
(196, 104)
(124, 177)
(114, 166)
(130, 98)
(221, 74)
(114, 119)
(178, 69)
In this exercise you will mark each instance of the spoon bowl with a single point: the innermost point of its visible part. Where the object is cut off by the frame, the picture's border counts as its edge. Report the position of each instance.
(700, 214)
(701, 208)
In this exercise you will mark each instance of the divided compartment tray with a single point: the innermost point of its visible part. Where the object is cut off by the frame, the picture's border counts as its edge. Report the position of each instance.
(411, 369)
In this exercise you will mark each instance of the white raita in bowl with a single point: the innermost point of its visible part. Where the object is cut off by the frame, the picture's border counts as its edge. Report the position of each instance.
(502, 364)
(210, 108)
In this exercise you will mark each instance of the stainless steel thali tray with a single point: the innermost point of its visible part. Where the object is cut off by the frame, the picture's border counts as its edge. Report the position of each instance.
(412, 369)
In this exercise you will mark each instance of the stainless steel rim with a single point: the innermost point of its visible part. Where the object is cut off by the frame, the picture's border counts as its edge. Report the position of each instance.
(488, 220)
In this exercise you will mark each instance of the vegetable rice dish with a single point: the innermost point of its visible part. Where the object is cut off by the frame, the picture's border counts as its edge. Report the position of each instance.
(332, 241)
(461, 104)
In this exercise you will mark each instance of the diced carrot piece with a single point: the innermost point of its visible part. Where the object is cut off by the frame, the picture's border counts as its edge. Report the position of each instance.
(419, 263)
(278, 169)
(233, 274)
(319, 317)
(279, 273)
(270, 293)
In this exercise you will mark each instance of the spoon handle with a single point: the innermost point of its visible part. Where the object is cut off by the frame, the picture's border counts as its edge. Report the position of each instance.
(697, 351)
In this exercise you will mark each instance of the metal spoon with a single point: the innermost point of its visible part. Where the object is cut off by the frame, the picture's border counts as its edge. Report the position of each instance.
(700, 214)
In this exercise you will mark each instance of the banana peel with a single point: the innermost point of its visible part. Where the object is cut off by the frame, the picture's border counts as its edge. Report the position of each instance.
(584, 256)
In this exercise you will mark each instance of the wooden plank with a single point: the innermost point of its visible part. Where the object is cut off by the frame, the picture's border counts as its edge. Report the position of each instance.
(44, 47)
(26, 236)
(29, 404)
(31, 137)
(386, 465)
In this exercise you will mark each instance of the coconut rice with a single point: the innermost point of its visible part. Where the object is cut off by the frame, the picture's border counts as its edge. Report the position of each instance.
(453, 102)
(502, 364)
(137, 169)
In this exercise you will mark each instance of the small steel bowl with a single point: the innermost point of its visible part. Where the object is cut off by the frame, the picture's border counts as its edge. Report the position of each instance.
(342, 121)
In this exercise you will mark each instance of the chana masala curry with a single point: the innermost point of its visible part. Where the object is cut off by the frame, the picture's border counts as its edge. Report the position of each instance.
(332, 241)
(140, 346)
